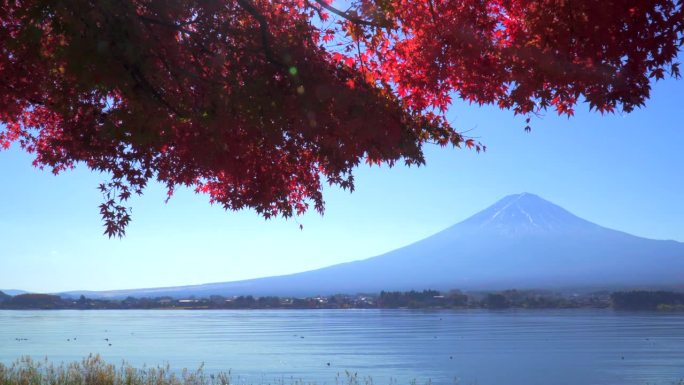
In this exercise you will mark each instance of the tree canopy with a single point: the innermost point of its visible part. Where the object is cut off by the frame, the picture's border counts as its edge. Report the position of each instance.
(258, 102)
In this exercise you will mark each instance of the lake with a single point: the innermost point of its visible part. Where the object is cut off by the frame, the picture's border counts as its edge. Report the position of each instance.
(512, 347)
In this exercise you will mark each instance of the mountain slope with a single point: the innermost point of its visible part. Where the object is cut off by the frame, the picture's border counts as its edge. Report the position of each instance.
(522, 241)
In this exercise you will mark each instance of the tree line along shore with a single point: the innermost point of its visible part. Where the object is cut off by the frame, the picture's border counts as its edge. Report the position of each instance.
(426, 299)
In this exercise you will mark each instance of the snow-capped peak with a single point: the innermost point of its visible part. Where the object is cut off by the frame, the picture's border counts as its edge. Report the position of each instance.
(525, 212)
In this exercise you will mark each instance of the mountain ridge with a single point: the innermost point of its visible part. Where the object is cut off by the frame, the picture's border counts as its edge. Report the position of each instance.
(521, 241)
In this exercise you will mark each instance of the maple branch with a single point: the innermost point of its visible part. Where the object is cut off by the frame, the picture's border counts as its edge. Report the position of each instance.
(29, 99)
(432, 11)
(263, 28)
(196, 37)
(177, 27)
(132, 68)
(346, 15)
(142, 81)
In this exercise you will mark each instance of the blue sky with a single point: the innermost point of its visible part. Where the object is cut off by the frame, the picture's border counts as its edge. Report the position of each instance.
(621, 171)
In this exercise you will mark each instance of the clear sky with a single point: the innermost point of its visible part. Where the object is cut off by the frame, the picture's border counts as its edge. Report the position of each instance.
(622, 171)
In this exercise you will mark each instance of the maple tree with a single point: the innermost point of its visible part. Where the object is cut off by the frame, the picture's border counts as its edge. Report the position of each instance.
(256, 102)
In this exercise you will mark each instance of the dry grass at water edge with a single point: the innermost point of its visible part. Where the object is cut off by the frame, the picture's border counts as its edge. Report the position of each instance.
(93, 370)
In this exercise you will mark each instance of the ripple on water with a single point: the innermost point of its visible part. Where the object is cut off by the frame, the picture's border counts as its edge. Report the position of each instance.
(474, 346)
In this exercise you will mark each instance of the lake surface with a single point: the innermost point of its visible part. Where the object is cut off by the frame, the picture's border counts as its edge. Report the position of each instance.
(516, 347)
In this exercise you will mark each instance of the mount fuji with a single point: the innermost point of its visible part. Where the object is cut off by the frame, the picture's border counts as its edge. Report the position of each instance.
(522, 241)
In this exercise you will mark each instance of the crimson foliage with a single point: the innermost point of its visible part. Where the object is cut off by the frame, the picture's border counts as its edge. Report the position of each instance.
(256, 102)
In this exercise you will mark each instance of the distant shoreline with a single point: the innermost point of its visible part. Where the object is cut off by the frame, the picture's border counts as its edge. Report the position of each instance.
(426, 299)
